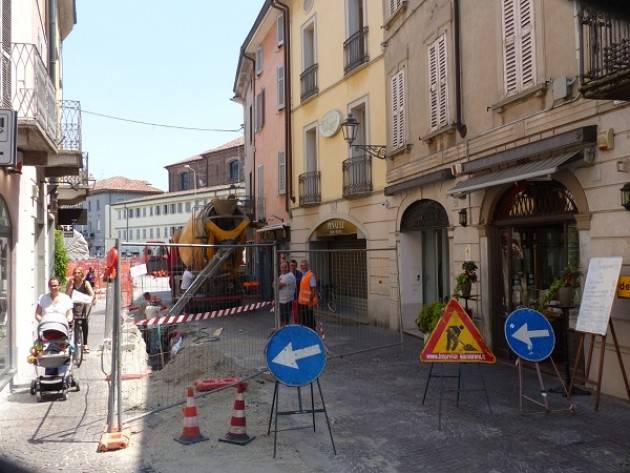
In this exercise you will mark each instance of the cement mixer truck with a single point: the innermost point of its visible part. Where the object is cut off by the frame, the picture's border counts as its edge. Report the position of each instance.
(218, 282)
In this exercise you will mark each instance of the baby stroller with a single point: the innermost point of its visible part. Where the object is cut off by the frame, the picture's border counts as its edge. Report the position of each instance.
(52, 352)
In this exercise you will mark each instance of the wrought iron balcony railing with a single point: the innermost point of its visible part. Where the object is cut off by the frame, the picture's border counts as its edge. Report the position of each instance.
(355, 50)
(605, 52)
(357, 176)
(308, 82)
(310, 188)
(32, 91)
(82, 180)
(70, 125)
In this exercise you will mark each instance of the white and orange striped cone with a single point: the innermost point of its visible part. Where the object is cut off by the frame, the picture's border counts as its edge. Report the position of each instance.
(238, 432)
(191, 433)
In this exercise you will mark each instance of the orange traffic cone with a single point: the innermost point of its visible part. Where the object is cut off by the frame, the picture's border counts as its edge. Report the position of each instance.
(238, 433)
(191, 433)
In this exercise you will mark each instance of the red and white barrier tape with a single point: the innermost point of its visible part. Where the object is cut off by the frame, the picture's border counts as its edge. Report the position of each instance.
(215, 314)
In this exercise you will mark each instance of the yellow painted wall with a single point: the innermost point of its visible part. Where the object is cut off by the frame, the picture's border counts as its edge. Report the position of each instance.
(337, 91)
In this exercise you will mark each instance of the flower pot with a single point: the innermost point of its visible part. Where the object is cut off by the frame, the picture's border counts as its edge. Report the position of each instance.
(466, 288)
(565, 296)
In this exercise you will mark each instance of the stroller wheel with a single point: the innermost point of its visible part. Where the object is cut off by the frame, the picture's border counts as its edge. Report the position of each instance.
(33, 387)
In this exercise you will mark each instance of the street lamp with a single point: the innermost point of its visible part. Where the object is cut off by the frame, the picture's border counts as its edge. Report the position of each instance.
(349, 128)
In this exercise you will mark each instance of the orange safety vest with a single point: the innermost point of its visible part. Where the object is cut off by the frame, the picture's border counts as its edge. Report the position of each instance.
(304, 297)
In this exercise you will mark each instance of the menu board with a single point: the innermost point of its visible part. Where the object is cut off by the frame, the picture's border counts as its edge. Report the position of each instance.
(599, 293)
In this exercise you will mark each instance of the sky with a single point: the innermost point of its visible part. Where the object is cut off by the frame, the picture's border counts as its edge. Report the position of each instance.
(156, 61)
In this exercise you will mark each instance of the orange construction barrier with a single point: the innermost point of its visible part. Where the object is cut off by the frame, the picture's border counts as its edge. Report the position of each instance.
(215, 383)
(191, 433)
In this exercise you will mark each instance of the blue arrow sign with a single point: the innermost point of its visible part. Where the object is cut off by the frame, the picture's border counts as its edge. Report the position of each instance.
(529, 334)
(295, 355)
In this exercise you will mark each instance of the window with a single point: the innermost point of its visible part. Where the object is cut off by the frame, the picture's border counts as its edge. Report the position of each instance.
(144, 233)
(280, 30)
(129, 213)
(282, 176)
(144, 211)
(280, 86)
(157, 232)
(259, 61)
(151, 211)
(173, 209)
(234, 170)
(180, 207)
(98, 205)
(394, 5)
(398, 110)
(165, 209)
(124, 234)
(157, 210)
(260, 110)
(118, 214)
(184, 181)
(260, 193)
(151, 233)
(438, 85)
(188, 206)
(518, 45)
(311, 149)
(137, 233)
(358, 111)
(137, 212)
(308, 45)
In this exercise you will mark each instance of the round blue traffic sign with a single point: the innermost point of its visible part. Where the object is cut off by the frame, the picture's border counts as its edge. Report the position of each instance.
(529, 334)
(295, 355)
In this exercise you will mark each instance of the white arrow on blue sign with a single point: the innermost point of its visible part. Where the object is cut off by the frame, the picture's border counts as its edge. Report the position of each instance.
(529, 334)
(295, 355)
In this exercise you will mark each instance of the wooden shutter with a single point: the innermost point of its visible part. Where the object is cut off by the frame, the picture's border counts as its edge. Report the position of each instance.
(519, 57)
(259, 60)
(510, 40)
(282, 177)
(442, 81)
(433, 87)
(280, 86)
(526, 23)
(399, 119)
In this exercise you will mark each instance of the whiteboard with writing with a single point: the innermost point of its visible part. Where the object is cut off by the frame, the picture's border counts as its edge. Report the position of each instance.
(599, 293)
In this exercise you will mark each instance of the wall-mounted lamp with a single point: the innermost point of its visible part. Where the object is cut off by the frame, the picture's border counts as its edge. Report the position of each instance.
(463, 217)
(349, 129)
(625, 196)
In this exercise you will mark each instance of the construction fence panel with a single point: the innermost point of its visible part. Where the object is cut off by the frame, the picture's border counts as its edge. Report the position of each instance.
(172, 337)
(358, 297)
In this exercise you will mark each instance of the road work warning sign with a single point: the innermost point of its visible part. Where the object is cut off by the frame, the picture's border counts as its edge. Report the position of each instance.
(456, 339)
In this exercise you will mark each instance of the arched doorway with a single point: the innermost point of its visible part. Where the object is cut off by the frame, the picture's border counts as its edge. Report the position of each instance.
(424, 258)
(5, 272)
(536, 237)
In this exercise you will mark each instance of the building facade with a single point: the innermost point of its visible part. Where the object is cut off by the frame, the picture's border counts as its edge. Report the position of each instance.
(107, 192)
(261, 87)
(49, 163)
(336, 192)
(155, 218)
(218, 166)
(501, 159)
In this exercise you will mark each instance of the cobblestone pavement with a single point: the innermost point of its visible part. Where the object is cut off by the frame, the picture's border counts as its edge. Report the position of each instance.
(379, 424)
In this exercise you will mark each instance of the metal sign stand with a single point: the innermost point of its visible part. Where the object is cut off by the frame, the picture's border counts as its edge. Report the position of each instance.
(601, 362)
(458, 390)
(301, 410)
(543, 391)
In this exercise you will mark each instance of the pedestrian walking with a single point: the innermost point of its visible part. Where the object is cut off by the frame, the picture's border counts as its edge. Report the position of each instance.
(307, 298)
(81, 310)
(286, 292)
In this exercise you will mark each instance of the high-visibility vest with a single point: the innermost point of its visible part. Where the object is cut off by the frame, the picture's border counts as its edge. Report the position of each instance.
(304, 297)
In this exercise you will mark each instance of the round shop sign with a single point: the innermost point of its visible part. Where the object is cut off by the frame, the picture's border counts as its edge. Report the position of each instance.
(330, 123)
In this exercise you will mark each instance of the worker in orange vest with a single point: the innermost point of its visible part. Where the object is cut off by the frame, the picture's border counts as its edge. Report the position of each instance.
(307, 297)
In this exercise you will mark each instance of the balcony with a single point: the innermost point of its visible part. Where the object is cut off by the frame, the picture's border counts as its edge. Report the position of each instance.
(357, 176)
(308, 82)
(309, 188)
(605, 53)
(355, 50)
(72, 189)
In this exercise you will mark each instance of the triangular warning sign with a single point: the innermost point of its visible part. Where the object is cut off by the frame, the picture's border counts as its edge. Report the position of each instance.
(456, 339)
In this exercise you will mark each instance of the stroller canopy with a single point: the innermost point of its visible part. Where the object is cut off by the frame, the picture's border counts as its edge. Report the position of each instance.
(51, 323)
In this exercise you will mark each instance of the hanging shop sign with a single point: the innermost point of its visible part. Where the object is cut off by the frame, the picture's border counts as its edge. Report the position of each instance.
(8, 137)
(456, 339)
(334, 227)
(623, 288)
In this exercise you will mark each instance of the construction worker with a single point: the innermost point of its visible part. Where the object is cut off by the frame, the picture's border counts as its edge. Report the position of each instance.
(307, 296)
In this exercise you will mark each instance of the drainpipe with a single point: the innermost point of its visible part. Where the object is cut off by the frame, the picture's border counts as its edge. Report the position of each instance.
(288, 142)
(52, 41)
(461, 127)
(252, 130)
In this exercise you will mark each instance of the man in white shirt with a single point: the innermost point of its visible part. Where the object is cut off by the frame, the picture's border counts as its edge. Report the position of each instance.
(286, 283)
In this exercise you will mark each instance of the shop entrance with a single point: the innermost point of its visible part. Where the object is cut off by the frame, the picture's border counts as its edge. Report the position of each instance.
(536, 239)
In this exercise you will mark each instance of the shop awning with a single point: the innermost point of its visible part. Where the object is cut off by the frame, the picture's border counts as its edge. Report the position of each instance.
(534, 169)
(271, 228)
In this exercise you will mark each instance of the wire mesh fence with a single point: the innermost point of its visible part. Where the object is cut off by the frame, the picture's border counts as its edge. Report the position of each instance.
(199, 312)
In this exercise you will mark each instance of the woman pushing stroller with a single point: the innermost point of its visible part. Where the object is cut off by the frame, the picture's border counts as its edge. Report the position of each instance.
(81, 310)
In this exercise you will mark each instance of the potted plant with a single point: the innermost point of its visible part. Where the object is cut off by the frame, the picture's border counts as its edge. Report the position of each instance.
(428, 317)
(464, 280)
(563, 288)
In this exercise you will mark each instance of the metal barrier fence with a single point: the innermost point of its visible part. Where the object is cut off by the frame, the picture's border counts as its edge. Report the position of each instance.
(358, 297)
(172, 336)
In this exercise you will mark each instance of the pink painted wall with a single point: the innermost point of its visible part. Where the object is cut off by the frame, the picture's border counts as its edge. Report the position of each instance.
(271, 139)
